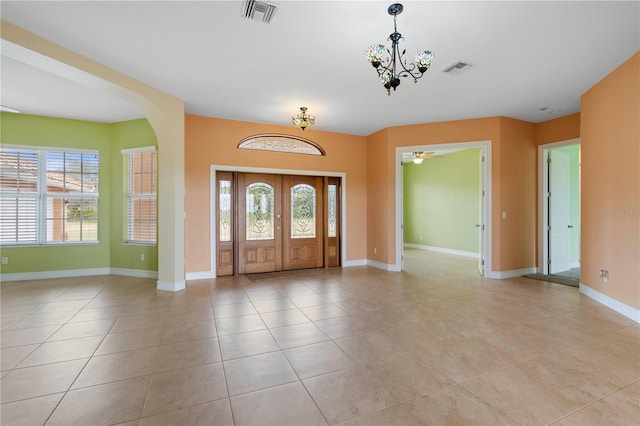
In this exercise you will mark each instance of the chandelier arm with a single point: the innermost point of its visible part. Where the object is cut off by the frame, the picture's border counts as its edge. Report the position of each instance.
(388, 70)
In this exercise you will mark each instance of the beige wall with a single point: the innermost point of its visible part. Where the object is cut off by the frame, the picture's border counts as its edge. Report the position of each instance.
(610, 135)
(213, 141)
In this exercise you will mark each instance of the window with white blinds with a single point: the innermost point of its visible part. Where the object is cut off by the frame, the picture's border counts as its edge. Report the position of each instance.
(140, 168)
(48, 195)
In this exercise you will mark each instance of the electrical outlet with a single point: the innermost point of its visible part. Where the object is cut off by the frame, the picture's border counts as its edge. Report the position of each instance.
(5, 260)
(142, 256)
(604, 274)
(375, 250)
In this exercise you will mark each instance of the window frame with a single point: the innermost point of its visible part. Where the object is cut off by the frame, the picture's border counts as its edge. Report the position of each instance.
(128, 196)
(42, 196)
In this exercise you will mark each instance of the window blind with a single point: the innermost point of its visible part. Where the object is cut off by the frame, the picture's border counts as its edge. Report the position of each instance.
(48, 195)
(140, 167)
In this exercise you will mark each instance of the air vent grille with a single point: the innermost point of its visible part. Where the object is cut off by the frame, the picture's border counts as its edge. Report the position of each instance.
(457, 68)
(259, 11)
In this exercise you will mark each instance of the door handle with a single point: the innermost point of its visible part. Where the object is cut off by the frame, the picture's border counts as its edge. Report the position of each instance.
(570, 226)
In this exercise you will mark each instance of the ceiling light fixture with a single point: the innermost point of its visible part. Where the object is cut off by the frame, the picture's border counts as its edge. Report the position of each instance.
(419, 156)
(302, 119)
(388, 69)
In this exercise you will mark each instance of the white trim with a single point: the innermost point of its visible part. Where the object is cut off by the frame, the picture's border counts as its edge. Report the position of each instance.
(384, 266)
(202, 275)
(212, 205)
(171, 286)
(50, 148)
(454, 252)
(64, 273)
(139, 149)
(543, 202)
(139, 273)
(486, 151)
(626, 310)
(68, 273)
(500, 275)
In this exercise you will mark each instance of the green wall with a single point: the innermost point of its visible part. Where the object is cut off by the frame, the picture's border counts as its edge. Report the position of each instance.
(128, 134)
(574, 202)
(108, 139)
(441, 201)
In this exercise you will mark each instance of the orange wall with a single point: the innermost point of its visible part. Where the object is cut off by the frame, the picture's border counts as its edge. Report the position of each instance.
(211, 141)
(517, 194)
(380, 201)
(558, 129)
(513, 183)
(610, 208)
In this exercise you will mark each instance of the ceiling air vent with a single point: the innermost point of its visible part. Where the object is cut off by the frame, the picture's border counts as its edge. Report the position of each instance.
(259, 11)
(457, 68)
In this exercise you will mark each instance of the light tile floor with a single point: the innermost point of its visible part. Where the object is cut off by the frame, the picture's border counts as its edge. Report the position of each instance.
(435, 344)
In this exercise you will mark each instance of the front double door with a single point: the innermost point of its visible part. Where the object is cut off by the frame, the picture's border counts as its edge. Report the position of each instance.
(279, 224)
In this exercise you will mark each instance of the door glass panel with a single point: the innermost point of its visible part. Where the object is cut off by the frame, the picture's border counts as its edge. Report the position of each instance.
(260, 223)
(224, 214)
(332, 211)
(303, 211)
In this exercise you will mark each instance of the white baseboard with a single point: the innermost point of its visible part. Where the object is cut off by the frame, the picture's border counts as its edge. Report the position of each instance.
(383, 266)
(574, 265)
(68, 273)
(203, 275)
(65, 273)
(171, 286)
(443, 250)
(610, 302)
(138, 273)
(500, 275)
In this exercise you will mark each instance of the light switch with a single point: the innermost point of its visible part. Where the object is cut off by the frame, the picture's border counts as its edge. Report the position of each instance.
(504, 215)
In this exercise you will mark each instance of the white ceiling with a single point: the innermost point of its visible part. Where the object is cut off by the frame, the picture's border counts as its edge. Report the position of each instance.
(527, 56)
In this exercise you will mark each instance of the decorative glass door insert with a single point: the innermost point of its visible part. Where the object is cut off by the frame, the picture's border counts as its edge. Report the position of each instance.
(303, 211)
(259, 211)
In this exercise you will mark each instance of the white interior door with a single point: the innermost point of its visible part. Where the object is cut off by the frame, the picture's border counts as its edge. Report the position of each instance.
(559, 213)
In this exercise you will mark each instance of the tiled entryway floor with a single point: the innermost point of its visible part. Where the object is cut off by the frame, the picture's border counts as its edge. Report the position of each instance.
(436, 344)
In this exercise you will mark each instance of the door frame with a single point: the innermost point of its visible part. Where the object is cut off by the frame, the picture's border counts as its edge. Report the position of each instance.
(486, 209)
(543, 201)
(213, 206)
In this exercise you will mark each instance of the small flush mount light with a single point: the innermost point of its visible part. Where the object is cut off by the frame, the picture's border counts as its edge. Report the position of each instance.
(302, 119)
(394, 66)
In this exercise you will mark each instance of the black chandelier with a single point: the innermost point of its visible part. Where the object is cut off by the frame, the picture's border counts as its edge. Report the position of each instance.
(387, 69)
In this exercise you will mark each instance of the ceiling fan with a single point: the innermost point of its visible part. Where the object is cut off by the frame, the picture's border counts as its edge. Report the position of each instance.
(419, 156)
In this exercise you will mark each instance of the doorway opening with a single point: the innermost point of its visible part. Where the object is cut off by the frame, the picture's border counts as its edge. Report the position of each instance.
(266, 222)
(442, 206)
(560, 173)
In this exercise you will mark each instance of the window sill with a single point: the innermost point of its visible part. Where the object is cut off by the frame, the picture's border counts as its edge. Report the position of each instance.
(139, 243)
(54, 244)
